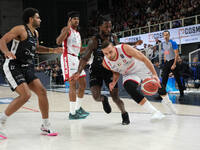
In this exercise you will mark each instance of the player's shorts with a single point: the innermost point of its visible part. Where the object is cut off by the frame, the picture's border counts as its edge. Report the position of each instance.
(137, 75)
(17, 74)
(98, 75)
(69, 65)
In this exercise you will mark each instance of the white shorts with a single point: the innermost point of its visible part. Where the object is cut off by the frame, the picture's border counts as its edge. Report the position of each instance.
(138, 75)
(69, 65)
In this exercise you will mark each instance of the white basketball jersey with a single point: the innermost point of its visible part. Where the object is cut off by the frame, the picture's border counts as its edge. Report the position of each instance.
(124, 64)
(72, 44)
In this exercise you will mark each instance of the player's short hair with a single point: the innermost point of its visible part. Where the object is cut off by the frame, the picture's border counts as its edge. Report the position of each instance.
(29, 12)
(73, 14)
(105, 44)
(103, 19)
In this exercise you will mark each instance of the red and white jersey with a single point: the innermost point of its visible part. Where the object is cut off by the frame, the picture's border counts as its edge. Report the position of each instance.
(69, 59)
(124, 64)
(72, 44)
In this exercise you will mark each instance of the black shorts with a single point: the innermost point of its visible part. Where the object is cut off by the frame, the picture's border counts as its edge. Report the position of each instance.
(16, 73)
(98, 75)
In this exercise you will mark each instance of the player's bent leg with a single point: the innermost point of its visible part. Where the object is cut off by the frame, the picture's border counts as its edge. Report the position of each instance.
(37, 87)
(131, 88)
(24, 95)
(115, 96)
(96, 93)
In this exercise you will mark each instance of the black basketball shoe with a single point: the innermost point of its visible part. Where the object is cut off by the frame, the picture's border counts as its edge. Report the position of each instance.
(106, 105)
(125, 119)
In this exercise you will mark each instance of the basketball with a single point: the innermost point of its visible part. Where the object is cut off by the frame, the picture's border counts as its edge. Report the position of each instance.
(149, 86)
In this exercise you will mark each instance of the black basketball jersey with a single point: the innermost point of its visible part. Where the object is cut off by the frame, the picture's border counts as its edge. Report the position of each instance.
(24, 50)
(98, 54)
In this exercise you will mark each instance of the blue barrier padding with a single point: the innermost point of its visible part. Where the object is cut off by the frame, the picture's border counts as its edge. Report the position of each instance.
(67, 86)
(171, 85)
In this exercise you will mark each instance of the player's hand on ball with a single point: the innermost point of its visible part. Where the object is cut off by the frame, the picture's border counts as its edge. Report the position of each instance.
(157, 79)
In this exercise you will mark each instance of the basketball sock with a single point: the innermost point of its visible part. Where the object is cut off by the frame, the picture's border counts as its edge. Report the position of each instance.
(72, 107)
(45, 122)
(78, 103)
(165, 98)
(149, 107)
(3, 118)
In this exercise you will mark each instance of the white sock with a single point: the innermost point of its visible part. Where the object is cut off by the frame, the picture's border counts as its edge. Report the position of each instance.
(149, 107)
(72, 108)
(78, 103)
(3, 117)
(166, 98)
(45, 122)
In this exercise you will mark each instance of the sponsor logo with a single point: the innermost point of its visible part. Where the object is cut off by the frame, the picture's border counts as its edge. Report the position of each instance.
(125, 61)
(121, 55)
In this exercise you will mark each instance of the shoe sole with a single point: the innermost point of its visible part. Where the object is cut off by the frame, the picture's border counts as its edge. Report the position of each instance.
(49, 134)
(123, 123)
(157, 119)
(3, 137)
(77, 118)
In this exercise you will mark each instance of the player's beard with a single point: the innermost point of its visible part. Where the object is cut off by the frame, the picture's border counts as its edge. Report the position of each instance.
(106, 34)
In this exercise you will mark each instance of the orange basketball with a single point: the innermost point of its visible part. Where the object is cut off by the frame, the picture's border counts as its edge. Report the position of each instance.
(149, 86)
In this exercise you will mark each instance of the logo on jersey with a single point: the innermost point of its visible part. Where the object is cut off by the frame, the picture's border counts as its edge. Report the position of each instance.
(109, 63)
(113, 66)
(121, 55)
(125, 61)
(12, 67)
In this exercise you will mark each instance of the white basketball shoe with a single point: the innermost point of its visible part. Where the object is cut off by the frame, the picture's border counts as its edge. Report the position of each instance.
(46, 130)
(157, 116)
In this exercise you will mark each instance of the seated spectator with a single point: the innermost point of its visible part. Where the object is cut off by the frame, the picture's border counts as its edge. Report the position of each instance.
(195, 66)
(184, 70)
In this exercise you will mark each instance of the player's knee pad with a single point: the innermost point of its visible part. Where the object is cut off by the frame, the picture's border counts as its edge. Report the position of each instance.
(132, 89)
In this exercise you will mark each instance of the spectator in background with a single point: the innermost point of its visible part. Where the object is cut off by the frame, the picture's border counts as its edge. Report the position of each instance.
(155, 56)
(184, 71)
(195, 68)
(59, 77)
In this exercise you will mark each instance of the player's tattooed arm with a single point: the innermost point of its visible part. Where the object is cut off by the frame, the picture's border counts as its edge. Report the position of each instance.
(85, 56)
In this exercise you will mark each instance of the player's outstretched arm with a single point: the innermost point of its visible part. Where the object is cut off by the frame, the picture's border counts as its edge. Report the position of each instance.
(44, 50)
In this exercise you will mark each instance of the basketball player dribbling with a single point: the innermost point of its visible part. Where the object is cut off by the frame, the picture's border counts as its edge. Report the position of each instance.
(134, 67)
(71, 41)
(98, 74)
(19, 46)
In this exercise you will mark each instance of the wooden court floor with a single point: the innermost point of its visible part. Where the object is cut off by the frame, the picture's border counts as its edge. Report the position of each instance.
(100, 131)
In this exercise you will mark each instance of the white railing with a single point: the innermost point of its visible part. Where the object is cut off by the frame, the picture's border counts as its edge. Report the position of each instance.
(157, 27)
